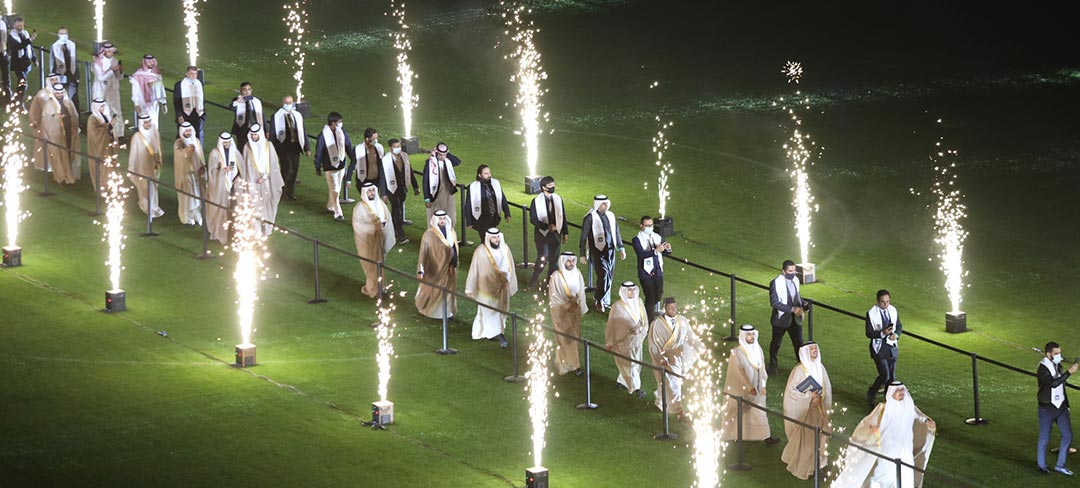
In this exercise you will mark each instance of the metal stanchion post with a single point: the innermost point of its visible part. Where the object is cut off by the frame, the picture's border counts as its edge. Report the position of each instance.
(149, 210)
(206, 254)
(318, 298)
(445, 350)
(732, 337)
(588, 405)
(667, 434)
(977, 420)
(45, 158)
(810, 319)
(817, 457)
(899, 474)
(588, 284)
(97, 191)
(740, 447)
(379, 267)
(463, 237)
(515, 378)
(524, 264)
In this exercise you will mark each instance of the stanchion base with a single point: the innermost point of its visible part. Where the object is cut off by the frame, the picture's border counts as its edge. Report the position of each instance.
(93, 213)
(12, 256)
(730, 339)
(670, 436)
(587, 406)
(525, 265)
(347, 200)
(739, 467)
(446, 352)
(205, 255)
(315, 301)
(589, 289)
(149, 234)
(514, 379)
(978, 421)
(46, 194)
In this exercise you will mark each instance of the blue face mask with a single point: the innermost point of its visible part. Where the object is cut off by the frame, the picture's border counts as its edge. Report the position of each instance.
(1057, 358)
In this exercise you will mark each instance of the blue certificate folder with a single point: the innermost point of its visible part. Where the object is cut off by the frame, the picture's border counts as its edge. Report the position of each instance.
(809, 384)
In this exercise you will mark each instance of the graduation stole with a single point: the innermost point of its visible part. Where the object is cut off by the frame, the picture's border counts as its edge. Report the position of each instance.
(565, 284)
(491, 257)
(671, 340)
(371, 207)
(750, 360)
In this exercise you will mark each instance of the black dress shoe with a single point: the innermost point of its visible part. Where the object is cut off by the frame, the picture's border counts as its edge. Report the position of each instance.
(579, 372)
(1044, 470)
(339, 218)
(640, 394)
(620, 386)
(771, 369)
(771, 441)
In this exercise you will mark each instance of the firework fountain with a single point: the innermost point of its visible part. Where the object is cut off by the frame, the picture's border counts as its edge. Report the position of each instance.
(538, 382)
(665, 226)
(528, 75)
(296, 20)
(382, 411)
(405, 76)
(703, 398)
(99, 20)
(949, 213)
(114, 193)
(191, 21)
(14, 160)
(800, 158)
(249, 243)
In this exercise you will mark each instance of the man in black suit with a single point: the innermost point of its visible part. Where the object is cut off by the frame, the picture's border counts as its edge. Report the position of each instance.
(883, 329)
(188, 102)
(787, 315)
(550, 229)
(20, 47)
(1054, 406)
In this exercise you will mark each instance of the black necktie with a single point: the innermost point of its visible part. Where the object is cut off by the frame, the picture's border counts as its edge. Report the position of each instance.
(249, 112)
(551, 210)
(885, 321)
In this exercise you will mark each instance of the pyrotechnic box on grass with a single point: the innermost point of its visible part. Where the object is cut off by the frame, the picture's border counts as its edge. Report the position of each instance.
(115, 301)
(411, 145)
(12, 256)
(665, 226)
(536, 477)
(806, 273)
(382, 413)
(955, 322)
(245, 355)
(532, 185)
(303, 107)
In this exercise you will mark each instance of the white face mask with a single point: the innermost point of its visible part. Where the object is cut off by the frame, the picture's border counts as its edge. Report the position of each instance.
(289, 107)
(1057, 358)
(63, 37)
(648, 229)
(396, 150)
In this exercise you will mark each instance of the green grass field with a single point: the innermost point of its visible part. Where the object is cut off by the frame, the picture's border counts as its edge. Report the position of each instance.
(103, 400)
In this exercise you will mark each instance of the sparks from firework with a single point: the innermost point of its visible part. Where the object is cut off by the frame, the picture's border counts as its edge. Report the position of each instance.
(249, 243)
(405, 75)
(800, 158)
(99, 18)
(660, 146)
(7, 7)
(702, 395)
(191, 21)
(115, 193)
(949, 213)
(297, 20)
(528, 76)
(385, 335)
(538, 382)
(14, 160)
(793, 71)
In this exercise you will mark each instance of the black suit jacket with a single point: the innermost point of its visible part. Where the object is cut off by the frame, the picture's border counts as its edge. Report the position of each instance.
(886, 351)
(1047, 382)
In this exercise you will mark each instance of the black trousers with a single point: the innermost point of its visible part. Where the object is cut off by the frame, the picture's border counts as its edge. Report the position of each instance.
(653, 289)
(397, 212)
(5, 69)
(548, 249)
(22, 71)
(289, 157)
(794, 331)
(886, 373)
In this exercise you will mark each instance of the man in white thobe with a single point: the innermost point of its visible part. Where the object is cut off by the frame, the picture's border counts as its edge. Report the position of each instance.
(492, 281)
